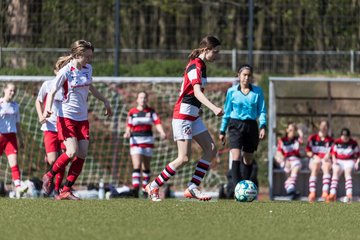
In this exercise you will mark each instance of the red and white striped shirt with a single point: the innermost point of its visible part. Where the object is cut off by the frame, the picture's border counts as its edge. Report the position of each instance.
(9, 116)
(345, 150)
(289, 147)
(75, 86)
(318, 146)
(140, 124)
(187, 106)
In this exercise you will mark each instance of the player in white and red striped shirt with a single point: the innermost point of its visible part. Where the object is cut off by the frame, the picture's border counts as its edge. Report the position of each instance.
(187, 124)
(9, 131)
(345, 155)
(288, 157)
(52, 143)
(139, 129)
(74, 78)
(318, 150)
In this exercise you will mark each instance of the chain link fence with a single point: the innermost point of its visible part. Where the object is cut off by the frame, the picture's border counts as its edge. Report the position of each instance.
(289, 37)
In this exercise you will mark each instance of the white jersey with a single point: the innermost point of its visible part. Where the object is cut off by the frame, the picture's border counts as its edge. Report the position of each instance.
(9, 116)
(50, 124)
(75, 86)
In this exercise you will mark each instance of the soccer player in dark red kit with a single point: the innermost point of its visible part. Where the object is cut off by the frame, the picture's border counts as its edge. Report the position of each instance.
(139, 129)
(345, 158)
(187, 125)
(288, 157)
(75, 80)
(318, 150)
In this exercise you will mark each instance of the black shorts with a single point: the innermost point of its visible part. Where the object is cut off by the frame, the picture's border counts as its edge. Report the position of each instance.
(243, 135)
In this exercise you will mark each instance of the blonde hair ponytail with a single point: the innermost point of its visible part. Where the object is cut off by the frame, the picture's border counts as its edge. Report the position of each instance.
(61, 62)
(77, 49)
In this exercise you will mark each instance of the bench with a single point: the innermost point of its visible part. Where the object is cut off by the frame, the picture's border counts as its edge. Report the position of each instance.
(302, 183)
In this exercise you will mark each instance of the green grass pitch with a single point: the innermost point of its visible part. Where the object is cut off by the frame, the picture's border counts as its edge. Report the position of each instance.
(176, 219)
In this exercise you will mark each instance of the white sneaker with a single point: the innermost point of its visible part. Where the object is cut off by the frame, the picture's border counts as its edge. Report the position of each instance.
(153, 193)
(20, 191)
(197, 194)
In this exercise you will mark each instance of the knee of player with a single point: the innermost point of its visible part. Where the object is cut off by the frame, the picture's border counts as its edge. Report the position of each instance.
(297, 168)
(81, 155)
(71, 153)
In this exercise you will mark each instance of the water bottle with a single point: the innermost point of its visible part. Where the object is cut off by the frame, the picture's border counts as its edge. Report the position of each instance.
(101, 189)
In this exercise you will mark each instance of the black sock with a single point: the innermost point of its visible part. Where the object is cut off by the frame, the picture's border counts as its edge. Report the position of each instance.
(253, 175)
(246, 170)
(235, 172)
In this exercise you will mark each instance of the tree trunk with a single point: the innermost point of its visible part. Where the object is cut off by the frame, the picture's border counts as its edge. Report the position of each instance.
(19, 31)
(259, 33)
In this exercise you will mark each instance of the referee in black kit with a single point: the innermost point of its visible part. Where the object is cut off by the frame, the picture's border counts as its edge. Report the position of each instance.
(244, 105)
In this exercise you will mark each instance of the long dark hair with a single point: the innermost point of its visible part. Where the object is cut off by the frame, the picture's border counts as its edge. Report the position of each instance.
(208, 42)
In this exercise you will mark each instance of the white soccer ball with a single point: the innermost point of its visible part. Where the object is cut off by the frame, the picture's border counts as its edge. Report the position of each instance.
(245, 191)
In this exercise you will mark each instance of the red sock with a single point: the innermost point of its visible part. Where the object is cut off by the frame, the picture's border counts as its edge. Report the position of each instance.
(15, 173)
(60, 164)
(74, 172)
(58, 179)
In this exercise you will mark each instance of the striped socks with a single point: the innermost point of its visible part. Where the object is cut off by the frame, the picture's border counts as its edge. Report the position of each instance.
(201, 168)
(290, 183)
(312, 184)
(164, 176)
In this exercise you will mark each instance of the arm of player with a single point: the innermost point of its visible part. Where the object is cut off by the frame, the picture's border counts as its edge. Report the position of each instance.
(39, 109)
(160, 129)
(261, 109)
(99, 96)
(127, 133)
(203, 99)
(279, 158)
(49, 102)
(357, 163)
(228, 107)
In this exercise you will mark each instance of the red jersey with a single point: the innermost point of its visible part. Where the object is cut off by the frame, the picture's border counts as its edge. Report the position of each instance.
(289, 147)
(187, 106)
(319, 147)
(140, 123)
(345, 150)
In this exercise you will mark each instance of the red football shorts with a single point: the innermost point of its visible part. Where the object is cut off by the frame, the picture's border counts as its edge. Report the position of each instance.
(68, 128)
(8, 143)
(51, 141)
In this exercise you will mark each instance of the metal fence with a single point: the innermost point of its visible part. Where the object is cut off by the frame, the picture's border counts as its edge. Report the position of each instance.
(275, 62)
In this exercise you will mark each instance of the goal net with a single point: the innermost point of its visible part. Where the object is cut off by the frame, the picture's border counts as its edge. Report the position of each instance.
(108, 156)
(306, 101)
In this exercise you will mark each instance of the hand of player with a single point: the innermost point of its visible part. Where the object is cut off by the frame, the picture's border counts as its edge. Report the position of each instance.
(218, 111)
(357, 165)
(42, 120)
(108, 111)
(316, 158)
(47, 113)
(222, 139)
(262, 133)
(282, 164)
(126, 135)
(163, 136)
